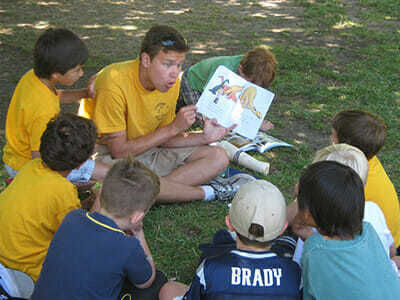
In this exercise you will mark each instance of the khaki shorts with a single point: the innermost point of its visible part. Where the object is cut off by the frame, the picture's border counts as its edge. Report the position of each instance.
(161, 161)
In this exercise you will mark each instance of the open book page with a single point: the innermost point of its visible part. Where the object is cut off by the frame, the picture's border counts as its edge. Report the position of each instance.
(266, 142)
(231, 100)
(261, 143)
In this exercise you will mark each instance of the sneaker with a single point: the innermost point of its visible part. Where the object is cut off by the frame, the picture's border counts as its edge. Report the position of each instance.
(239, 179)
(225, 189)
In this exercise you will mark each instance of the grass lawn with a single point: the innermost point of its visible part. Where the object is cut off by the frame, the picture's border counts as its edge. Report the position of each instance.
(332, 54)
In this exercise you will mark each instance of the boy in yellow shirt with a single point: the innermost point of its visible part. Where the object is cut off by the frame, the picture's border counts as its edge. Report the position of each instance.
(367, 132)
(59, 56)
(37, 200)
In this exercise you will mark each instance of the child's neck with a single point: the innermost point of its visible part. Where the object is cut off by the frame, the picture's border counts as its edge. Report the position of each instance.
(242, 246)
(121, 222)
(62, 173)
(50, 84)
(337, 238)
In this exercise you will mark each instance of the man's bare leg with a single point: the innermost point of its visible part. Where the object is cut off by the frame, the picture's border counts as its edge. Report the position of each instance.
(100, 171)
(204, 164)
(183, 184)
(173, 192)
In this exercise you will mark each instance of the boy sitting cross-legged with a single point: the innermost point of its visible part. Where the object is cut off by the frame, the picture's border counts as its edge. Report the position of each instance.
(95, 255)
(252, 271)
(33, 206)
(345, 259)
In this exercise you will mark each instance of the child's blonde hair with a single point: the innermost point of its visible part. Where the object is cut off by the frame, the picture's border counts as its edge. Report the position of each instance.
(128, 187)
(347, 155)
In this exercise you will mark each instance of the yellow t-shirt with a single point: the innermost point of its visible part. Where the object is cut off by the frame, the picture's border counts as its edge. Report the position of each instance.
(31, 108)
(380, 189)
(31, 210)
(123, 104)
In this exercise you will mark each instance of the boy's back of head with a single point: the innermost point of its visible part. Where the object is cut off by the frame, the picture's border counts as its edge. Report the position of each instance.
(334, 195)
(258, 213)
(128, 187)
(259, 66)
(347, 155)
(165, 38)
(360, 129)
(57, 51)
(67, 142)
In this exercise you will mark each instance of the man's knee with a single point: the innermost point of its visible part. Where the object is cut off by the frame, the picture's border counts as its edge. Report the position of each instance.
(220, 157)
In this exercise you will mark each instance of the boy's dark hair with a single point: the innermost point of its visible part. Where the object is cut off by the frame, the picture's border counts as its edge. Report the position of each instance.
(259, 66)
(334, 195)
(58, 51)
(165, 38)
(360, 129)
(255, 230)
(128, 187)
(67, 142)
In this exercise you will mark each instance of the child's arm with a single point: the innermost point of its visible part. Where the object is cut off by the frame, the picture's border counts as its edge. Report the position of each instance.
(69, 96)
(140, 236)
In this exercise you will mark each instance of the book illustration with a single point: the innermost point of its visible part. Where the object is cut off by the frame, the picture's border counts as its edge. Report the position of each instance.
(231, 100)
(246, 95)
(219, 89)
(261, 143)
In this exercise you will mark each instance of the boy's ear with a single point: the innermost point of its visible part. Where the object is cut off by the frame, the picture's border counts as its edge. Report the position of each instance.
(145, 59)
(304, 218)
(229, 224)
(308, 219)
(136, 217)
(284, 227)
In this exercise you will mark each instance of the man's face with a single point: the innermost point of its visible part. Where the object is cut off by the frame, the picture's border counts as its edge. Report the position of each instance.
(163, 70)
(71, 76)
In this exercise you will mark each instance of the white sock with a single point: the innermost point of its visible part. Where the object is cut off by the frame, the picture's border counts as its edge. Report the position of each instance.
(209, 193)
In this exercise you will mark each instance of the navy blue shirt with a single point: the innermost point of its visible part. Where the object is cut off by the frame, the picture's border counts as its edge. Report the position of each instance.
(89, 258)
(246, 275)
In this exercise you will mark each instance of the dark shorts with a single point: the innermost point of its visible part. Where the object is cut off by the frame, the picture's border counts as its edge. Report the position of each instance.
(129, 291)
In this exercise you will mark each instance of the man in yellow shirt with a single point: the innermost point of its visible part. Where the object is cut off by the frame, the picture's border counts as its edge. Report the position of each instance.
(37, 200)
(134, 111)
(59, 56)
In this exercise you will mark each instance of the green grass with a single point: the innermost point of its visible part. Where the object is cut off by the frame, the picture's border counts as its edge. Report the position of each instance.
(332, 55)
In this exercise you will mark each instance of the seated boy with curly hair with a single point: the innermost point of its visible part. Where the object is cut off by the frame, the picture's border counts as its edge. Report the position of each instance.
(33, 206)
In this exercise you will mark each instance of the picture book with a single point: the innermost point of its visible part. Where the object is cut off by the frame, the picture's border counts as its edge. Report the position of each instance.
(231, 100)
(261, 143)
